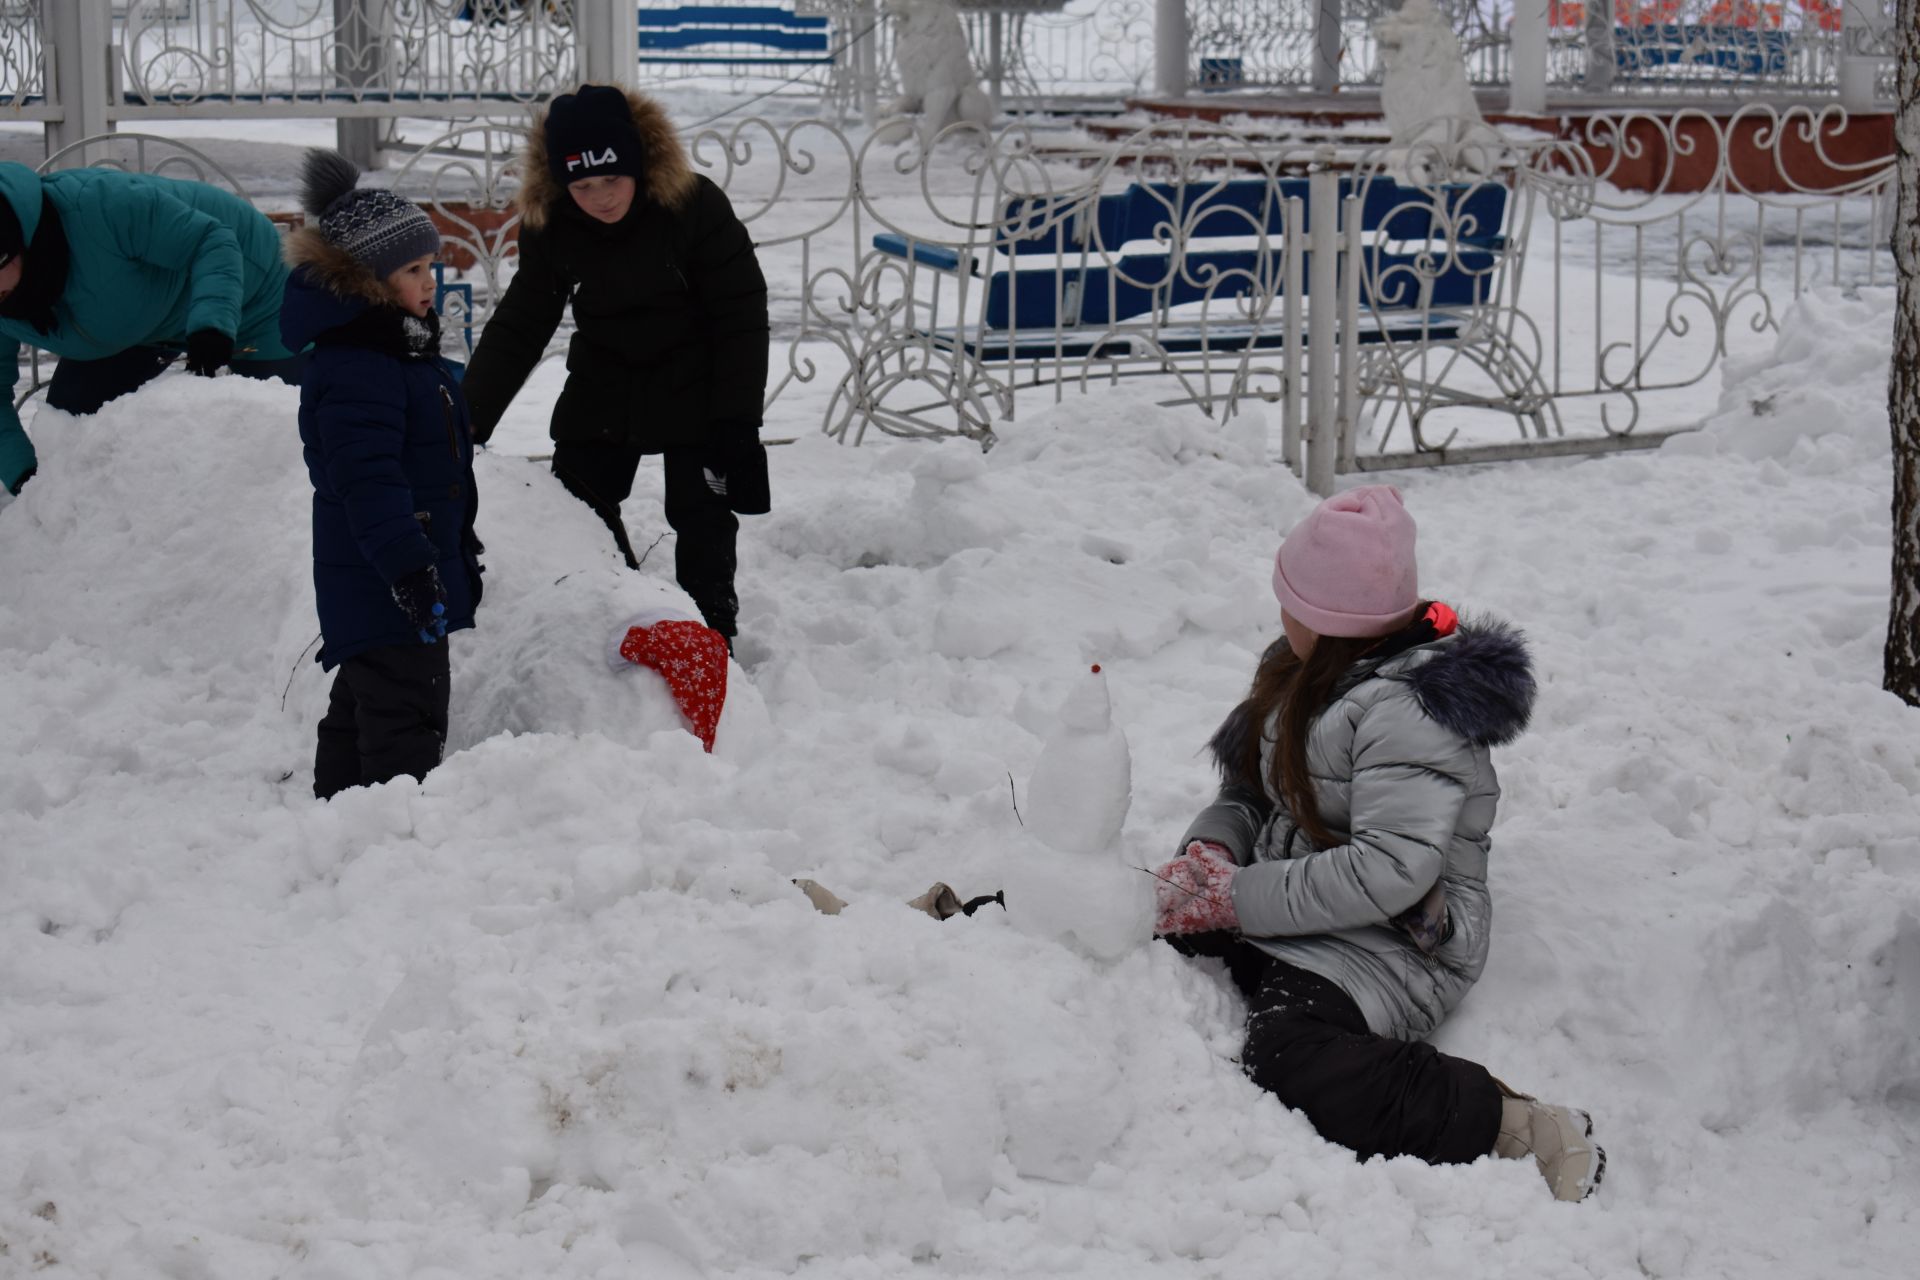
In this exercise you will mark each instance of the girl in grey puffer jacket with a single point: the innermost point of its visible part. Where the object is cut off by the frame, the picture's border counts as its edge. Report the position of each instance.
(1341, 872)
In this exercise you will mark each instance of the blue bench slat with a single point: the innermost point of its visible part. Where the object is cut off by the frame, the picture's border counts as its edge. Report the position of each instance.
(728, 16)
(732, 60)
(939, 257)
(1083, 284)
(1036, 298)
(1239, 207)
(769, 38)
(1743, 50)
(1436, 326)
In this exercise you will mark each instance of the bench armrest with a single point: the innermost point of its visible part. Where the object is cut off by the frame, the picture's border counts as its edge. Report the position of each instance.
(938, 256)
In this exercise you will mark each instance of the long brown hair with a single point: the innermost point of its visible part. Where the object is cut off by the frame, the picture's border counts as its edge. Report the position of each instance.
(1300, 690)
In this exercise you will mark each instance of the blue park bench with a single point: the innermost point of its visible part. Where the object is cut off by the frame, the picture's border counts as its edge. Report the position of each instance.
(1090, 284)
(702, 33)
(1674, 47)
(712, 34)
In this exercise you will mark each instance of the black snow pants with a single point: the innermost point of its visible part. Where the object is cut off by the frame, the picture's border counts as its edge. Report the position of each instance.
(386, 716)
(1308, 1045)
(704, 526)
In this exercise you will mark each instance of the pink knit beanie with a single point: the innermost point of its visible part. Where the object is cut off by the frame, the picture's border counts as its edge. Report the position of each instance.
(1347, 569)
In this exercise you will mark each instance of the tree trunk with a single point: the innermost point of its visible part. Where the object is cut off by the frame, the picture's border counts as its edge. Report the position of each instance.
(1903, 393)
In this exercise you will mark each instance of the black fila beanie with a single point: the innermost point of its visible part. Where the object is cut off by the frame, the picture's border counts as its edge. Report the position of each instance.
(590, 134)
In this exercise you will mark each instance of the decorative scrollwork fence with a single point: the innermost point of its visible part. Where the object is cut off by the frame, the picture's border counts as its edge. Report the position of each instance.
(1479, 295)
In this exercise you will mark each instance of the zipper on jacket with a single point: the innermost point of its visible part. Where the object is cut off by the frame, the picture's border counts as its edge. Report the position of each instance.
(453, 434)
(452, 420)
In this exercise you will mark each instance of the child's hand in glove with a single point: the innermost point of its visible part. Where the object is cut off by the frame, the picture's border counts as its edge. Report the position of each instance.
(1195, 891)
(423, 598)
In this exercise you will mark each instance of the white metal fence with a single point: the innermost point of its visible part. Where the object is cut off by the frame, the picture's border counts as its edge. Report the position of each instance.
(1477, 297)
(84, 65)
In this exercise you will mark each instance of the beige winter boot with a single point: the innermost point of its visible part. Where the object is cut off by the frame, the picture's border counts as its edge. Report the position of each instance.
(1560, 1140)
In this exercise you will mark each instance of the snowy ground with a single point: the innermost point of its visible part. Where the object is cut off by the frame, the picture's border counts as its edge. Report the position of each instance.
(558, 1011)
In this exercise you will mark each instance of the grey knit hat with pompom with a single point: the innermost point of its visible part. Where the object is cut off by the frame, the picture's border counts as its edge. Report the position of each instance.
(375, 227)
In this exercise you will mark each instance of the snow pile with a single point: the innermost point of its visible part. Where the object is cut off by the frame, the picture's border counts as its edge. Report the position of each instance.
(559, 1011)
(1819, 396)
(217, 505)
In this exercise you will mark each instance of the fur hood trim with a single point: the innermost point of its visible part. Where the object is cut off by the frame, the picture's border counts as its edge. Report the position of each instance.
(1477, 683)
(1480, 686)
(333, 268)
(670, 178)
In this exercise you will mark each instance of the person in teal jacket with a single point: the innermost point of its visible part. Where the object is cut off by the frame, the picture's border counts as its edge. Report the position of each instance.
(117, 274)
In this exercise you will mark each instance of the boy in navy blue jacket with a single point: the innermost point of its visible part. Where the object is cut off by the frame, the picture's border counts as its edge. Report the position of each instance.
(390, 452)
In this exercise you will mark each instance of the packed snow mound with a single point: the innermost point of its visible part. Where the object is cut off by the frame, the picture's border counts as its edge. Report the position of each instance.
(559, 1011)
(1816, 400)
(170, 533)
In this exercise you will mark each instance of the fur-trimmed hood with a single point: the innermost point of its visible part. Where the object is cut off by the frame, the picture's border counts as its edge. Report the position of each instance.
(328, 288)
(1480, 686)
(326, 264)
(669, 180)
(1476, 682)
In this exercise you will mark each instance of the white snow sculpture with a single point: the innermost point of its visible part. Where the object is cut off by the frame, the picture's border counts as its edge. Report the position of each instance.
(1082, 785)
(936, 74)
(1423, 88)
(1068, 880)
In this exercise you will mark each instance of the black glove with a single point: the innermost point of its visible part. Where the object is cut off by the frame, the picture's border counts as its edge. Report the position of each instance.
(741, 461)
(207, 350)
(21, 483)
(471, 549)
(423, 598)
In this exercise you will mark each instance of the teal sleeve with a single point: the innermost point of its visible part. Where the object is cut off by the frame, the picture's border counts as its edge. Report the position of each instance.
(16, 451)
(151, 225)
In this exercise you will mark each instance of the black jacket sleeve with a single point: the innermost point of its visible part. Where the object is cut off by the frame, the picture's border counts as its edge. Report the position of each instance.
(730, 296)
(516, 335)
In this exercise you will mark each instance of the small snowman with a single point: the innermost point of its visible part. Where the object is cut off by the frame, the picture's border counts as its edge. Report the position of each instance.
(1082, 786)
(1069, 879)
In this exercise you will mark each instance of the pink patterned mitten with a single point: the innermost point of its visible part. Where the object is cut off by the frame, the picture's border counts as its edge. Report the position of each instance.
(1195, 891)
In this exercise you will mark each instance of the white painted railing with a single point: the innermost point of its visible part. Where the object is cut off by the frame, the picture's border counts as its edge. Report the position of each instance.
(1491, 297)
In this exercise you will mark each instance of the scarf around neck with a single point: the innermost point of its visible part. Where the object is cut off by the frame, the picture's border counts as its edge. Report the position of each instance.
(390, 331)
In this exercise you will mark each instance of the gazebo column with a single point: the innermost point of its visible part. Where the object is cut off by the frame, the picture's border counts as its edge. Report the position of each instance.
(1527, 70)
(607, 41)
(1865, 41)
(1170, 48)
(1326, 47)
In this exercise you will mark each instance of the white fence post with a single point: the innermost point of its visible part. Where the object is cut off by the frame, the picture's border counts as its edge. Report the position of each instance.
(866, 61)
(1600, 49)
(1323, 310)
(1170, 48)
(1865, 40)
(78, 70)
(1527, 73)
(359, 60)
(1326, 47)
(607, 35)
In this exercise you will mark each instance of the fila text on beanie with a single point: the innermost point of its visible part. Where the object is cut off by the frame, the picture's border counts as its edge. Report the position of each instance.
(590, 134)
(1348, 568)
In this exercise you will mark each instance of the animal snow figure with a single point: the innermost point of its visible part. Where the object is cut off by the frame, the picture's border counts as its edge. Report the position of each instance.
(1423, 87)
(936, 73)
(1081, 788)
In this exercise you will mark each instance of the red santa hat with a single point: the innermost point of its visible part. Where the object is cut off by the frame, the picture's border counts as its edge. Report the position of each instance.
(689, 655)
